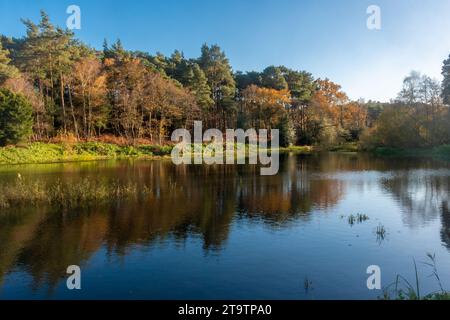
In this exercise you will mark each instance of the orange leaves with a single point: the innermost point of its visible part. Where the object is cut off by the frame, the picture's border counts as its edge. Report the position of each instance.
(267, 96)
(331, 91)
(355, 115)
(330, 101)
(265, 105)
(109, 62)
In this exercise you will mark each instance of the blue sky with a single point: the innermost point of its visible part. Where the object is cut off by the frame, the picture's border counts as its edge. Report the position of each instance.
(328, 38)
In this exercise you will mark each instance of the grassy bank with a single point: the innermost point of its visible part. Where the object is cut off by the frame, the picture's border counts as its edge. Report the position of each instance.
(441, 151)
(299, 149)
(344, 147)
(87, 151)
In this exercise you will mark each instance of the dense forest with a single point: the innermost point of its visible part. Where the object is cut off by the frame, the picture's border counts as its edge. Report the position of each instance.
(55, 86)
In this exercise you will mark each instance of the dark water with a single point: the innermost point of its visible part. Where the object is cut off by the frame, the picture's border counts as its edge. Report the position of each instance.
(225, 232)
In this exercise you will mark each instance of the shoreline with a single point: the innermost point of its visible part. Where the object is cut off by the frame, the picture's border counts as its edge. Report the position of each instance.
(442, 152)
(49, 153)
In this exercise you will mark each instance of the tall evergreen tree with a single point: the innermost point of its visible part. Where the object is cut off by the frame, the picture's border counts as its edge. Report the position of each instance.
(217, 69)
(446, 81)
(6, 69)
(272, 78)
(47, 56)
(244, 80)
(16, 117)
(300, 84)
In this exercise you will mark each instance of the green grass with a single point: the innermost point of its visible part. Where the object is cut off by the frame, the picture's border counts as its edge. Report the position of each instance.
(87, 151)
(398, 152)
(441, 151)
(345, 147)
(49, 153)
(84, 192)
(298, 149)
(402, 289)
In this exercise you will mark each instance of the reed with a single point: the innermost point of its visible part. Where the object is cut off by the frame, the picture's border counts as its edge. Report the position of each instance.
(74, 194)
(402, 289)
(358, 218)
(381, 232)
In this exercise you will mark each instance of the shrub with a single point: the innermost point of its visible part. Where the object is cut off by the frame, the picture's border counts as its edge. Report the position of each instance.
(287, 132)
(16, 118)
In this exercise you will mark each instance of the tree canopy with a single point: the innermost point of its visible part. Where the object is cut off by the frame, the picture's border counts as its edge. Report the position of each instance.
(76, 90)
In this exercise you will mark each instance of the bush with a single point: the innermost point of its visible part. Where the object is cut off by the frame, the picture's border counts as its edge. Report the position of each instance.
(16, 118)
(328, 135)
(407, 127)
(443, 150)
(287, 132)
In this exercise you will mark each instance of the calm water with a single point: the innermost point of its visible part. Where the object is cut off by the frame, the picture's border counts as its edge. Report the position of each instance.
(225, 232)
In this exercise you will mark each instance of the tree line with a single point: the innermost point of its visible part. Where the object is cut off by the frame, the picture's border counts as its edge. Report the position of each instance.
(418, 118)
(52, 84)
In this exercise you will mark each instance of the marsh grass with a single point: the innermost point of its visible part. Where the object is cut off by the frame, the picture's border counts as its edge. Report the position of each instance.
(381, 232)
(84, 192)
(358, 218)
(402, 289)
(309, 287)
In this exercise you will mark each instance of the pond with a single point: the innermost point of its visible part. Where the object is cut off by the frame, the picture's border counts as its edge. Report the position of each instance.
(225, 232)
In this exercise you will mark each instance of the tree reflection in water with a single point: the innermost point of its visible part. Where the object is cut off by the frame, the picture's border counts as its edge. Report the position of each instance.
(204, 201)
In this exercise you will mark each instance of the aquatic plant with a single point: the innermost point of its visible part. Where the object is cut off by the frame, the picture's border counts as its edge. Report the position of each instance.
(67, 194)
(402, 289)
(351, 220)
(359, 218)
(308, 285)
(381, 232)
(362, 217)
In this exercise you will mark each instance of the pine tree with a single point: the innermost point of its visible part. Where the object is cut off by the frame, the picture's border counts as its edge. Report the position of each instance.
(273, 78)
(287, 132)
(198, 84)
(6, 69)
(446, 81)
(47, 57)
(16, 118)
(217, 69)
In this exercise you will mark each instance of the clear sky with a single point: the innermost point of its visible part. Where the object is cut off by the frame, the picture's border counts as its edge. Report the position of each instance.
(328, 38)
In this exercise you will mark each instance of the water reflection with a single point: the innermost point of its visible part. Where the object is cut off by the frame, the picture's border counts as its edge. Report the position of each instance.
(204, 202)
(445, 220)
(422, 194)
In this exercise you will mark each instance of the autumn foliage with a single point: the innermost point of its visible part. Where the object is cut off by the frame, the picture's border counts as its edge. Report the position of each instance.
(82, 93)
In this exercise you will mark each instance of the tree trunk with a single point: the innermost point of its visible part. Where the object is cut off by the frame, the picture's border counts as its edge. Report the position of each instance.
(89, 115)
(161, 126)
(75, 125)
(84, 113)
(63, 105)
